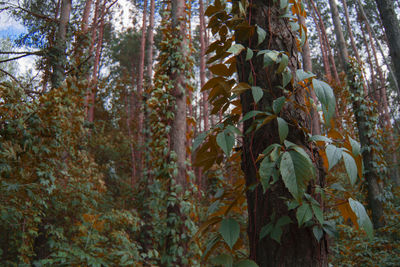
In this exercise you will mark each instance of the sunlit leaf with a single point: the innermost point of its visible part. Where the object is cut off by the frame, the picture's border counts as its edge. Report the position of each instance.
(261, 33)
(236, 49)
(362, 217)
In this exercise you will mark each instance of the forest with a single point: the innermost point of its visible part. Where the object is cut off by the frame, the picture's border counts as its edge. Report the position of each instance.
(216, 133)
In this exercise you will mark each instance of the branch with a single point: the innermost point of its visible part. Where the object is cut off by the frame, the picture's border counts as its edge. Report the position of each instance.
(37, 15)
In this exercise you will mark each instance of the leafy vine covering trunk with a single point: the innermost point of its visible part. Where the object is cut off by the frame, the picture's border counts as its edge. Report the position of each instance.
(298, 246)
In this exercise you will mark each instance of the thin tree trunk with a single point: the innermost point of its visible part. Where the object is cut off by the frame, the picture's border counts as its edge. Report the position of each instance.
(343, 54)
(150, 43)
(203, 64)
(59, 57)
(307, 66)
(298, 246)
(392, 30)
(350, 31)
(93, 82)
(370, 173)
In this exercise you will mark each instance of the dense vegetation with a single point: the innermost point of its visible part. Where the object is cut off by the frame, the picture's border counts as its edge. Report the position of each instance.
(224, 133)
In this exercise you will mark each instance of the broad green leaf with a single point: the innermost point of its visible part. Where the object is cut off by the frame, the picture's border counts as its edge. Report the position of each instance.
(240, 88)
(330, 228)
(304, 169)
(271, 148)
(355, 146)
(266, 230)
(225, 142)
(252, 114)
(246, 263)
(249, 54)
(289, 175)
(321, 138)
(261, 35)
(303, 213)
(325, 94)
(234, 130)
(229, 231)
(265, 171)
(198, 140)
(318, 213)
(362, 217)
(284, 220)
(284, 4)
(223, 259)
(303, 75)
(278, 104)
(270, 57)
(283, 129)
(334, 154)
(236, 49)
(351, 167)
(257, 93)
(318, 233)
(283, 64)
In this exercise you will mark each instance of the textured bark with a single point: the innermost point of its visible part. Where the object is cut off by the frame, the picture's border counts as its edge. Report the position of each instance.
(59, 57)
(298, 246)
(343, 54)
(203, 65)
(150, 43)
(93, 82)
(178, 127)
(392, 29)
(350, 31)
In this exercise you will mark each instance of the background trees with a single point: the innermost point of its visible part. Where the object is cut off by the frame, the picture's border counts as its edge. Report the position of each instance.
(195, 134)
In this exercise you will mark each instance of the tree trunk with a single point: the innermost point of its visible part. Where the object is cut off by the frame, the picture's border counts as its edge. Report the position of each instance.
(150, 43)
(203, 65)
(392, 30)
(343, 54)
(93, 82)
(178, 127)
(307, 66)
(59, 57)
(298, 246)
(370, 173)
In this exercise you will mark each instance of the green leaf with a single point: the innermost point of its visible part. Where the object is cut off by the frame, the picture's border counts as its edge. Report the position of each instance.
(223, 259)
(270, 57)
(318, 213)
(225, 141)
(362, 217)
(355, 146)
(246, 263)
(283, 129)
(321, 138)
(249, 54)
(318, 233)
(283, 64)
(266, 230)
(230, 231)
(278, 104)
(261, 35)
(234, 130)
(303, 75)
(325, 94)
(289, 175)
(334, 154)
(198, 140)
(251, 114)
(351, 167)
(236, 49)
(303, 213)
(257, 93)
(286, 77)
(284, 4)
(265, 171)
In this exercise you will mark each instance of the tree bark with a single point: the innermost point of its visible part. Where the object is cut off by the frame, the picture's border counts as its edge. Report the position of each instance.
(298, 246)
(203, 64)
(178, 127)
(150, 43)
(392, 30)
(59, 57)
(343, 54)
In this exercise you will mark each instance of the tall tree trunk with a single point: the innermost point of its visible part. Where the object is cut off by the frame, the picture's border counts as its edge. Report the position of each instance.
(343, 54)
(59, 57)
(392, 30)
(203, 64)
(350, 31)
(371, 175)
(93, 82)
(150, 43)
(298, 246)
(139, 94)
(178, 127)
(307, 66)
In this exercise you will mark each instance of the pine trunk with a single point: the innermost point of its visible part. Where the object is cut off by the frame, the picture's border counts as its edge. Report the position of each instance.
(298, 246)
